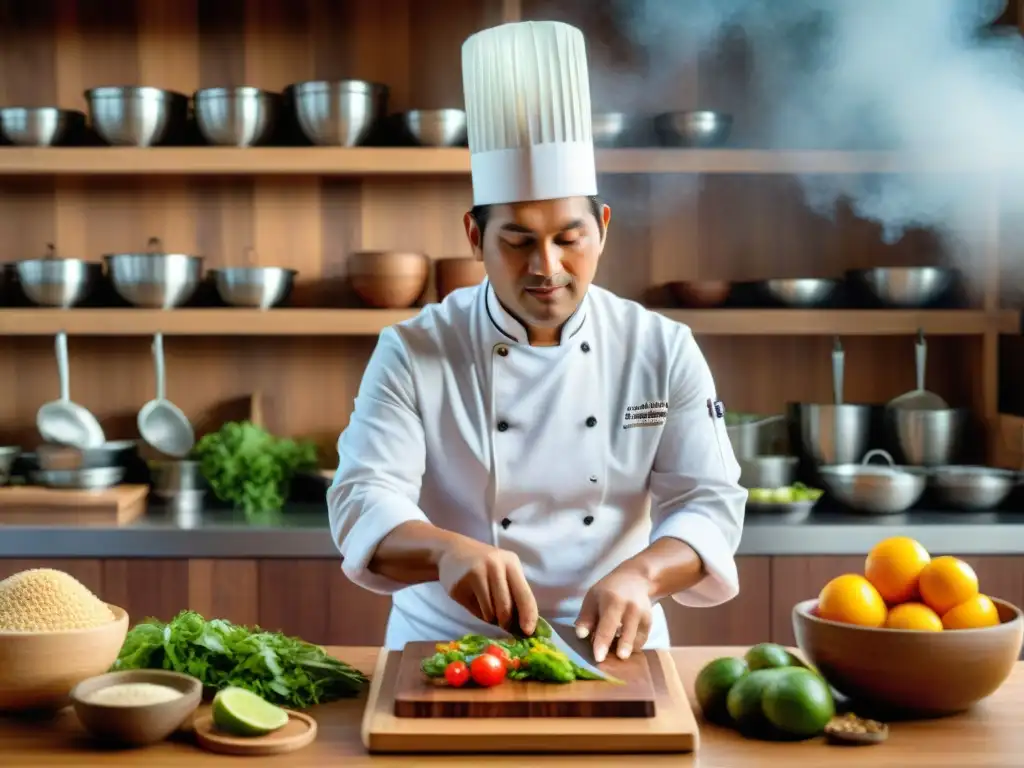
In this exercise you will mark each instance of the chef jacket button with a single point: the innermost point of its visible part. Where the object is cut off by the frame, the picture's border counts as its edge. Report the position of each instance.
(502, 426)
(502, 350)
(588, 519)
(505, 523)
(591, 421)
(593, 478)
(585, 347)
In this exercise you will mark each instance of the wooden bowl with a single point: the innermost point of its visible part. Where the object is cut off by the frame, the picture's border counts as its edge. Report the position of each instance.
(39, 669)
(389, 279)
(701, 293)
(451, 274)
(136, 725)
(905, 673)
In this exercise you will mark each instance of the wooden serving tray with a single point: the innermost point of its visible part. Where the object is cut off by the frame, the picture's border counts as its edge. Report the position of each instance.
(418, 696)
(35, 505)
(672, 729)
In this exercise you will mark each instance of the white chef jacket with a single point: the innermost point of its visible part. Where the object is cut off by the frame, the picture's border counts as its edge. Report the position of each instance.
(575, 457)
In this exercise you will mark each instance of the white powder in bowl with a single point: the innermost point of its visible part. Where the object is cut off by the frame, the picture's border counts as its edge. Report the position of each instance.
(133, 695)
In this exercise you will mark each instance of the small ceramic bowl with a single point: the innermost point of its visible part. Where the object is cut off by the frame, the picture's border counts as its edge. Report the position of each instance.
(136, 725)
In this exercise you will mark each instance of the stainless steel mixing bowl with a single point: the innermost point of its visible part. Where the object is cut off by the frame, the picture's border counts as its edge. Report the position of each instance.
(875, 489)
(236, 117)
(340, 112)
(610, 129)
(972, 488)
(928, 438)
(136, 116)
(768, 471)
(39, 126)
(54, 282)
(261, 287)
(905, 287)
(800, 292)
(695, 128)
(435, 127)
(153, 279)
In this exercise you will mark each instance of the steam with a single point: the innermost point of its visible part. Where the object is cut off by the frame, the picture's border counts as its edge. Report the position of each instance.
(925, 77)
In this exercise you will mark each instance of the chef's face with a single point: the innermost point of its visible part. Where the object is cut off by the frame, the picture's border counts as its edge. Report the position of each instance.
(541, 256)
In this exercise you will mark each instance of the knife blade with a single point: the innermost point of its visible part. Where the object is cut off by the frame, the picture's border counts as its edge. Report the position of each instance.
(580, 652)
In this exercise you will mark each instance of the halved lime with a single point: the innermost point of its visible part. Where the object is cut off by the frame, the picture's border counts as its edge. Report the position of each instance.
(243, 713)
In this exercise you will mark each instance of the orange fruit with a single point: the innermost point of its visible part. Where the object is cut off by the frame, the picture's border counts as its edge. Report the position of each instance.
(946, 582)
(974, 613)
(852, 599)
(893, 566)
(913, 616)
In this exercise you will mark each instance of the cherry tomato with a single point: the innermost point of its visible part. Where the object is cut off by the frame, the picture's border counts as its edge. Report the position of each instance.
(499, 653)
(457, 674)
(487, 670)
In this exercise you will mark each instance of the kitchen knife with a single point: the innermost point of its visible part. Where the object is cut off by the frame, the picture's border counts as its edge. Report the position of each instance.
(580, 652)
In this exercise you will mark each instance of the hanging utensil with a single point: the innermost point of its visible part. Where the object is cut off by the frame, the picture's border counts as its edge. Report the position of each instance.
(920, 399)
(62, 421)
(161, 423)
(838, 361)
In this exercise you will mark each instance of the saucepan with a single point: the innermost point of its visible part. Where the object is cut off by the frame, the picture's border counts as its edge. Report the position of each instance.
(754, 435)
(875, 489)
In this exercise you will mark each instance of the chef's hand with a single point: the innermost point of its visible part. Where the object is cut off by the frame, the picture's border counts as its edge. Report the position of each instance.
(488, 582)
(619, 605)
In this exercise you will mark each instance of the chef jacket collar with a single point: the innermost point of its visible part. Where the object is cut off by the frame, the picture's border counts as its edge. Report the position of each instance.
(513, 331)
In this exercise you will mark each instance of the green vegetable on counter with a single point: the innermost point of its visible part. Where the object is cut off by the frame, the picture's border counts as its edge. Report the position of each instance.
(787, 494)
(249, 468)
(282, 670)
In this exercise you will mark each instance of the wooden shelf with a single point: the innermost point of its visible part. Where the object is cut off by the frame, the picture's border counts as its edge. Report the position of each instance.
(334, 161)
(369, 322)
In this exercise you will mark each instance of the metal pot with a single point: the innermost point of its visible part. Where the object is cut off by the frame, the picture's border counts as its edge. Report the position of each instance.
(928, 438)
(877, 490)
(830, 434)
(753, 435)
(768, 471)
(973, 488)
(153, 279)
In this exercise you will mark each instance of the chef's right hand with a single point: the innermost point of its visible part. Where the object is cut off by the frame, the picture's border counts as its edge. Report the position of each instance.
(488, 582)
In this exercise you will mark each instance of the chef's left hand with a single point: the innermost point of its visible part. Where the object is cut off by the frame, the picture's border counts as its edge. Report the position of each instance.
(618, 605)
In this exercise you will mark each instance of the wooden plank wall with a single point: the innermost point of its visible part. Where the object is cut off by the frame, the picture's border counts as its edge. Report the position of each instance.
(673, 227)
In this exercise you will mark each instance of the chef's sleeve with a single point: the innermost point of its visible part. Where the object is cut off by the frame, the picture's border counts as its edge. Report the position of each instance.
(696, 495)
(381, 460)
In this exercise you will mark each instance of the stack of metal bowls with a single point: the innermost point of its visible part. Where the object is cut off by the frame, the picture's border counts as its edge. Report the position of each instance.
(55, 282)
(434, 127)
(340, 112)
(136, 116)
(236, 117)
(40, 126)
(154, 279)
(63, 466)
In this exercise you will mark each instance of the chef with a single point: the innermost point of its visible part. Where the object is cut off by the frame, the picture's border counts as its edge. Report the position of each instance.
(536, 445)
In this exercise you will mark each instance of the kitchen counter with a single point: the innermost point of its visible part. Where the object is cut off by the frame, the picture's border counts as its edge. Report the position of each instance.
(301, 532)
(989, 735)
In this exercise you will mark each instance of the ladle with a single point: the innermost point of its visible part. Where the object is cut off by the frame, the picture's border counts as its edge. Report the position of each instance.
(161, 423)
(920, 398)
(838, 360)
(62, 421)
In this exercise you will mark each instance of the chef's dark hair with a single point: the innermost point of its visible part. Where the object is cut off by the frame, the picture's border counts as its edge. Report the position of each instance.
(481, 213)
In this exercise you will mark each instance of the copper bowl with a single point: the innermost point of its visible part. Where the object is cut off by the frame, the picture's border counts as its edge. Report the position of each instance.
(906, 673)
(701, 293)
(389, 279)
(452, 274)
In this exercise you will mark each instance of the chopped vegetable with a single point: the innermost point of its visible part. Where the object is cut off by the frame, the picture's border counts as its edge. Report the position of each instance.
(280, 669)
(523, 658)
(249, 468)
(787, 494)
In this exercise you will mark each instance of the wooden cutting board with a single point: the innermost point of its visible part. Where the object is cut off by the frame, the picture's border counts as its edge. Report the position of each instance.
(418, 696)
(672, 729)
(35, 505)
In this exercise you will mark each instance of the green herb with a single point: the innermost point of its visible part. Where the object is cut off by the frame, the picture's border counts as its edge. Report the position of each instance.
(282, 670)
(249, 468)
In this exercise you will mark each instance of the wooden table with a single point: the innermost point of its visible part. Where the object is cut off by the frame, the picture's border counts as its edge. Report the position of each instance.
(991, 735)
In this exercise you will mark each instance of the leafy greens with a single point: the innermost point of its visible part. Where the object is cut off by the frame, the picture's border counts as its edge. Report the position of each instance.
(250, 468)
(283, 670)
